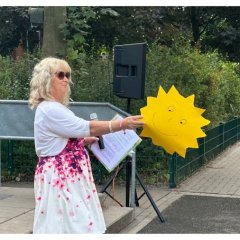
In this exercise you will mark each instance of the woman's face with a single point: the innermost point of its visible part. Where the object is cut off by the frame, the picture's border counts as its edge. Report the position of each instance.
(60, 82)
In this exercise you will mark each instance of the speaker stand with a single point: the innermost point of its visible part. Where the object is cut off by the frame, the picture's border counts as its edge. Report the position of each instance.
(128, 104)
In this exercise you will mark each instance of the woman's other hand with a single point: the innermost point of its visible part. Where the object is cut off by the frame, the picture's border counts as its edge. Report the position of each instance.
(90, 140)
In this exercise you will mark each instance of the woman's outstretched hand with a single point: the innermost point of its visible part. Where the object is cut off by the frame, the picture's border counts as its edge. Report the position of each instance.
(132, 122)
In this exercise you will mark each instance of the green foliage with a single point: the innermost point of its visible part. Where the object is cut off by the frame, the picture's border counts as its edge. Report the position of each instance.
(214, 81)
(14, 77)
(95, 85)
(14, 24)
(19, 162)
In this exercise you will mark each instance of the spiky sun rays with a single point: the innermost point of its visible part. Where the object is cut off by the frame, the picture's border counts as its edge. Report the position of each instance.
(172, 121)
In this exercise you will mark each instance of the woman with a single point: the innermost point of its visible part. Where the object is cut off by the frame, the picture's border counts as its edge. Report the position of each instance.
(65, 193)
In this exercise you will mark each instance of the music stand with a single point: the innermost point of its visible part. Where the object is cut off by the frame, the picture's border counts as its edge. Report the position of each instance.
(131, 172)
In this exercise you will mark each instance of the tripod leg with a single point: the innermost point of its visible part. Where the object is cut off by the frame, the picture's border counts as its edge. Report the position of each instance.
(150, 198)
(128, 176)
(110, 180)
(136, 198)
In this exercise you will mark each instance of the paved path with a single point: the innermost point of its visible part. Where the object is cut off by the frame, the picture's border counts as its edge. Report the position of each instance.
(221, 177)
(16, 208)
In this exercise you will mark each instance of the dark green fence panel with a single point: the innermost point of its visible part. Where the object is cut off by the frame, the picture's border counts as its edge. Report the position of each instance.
(180, 167)
(19, 160)
(153, 169)
(217, 140)
(238, 128)
(213, 144)
(230, 132)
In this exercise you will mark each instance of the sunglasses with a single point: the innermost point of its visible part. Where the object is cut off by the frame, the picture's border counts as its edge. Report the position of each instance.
(60, 75)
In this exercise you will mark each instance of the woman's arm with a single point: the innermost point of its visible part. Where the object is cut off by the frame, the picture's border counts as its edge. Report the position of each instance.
(103, 127)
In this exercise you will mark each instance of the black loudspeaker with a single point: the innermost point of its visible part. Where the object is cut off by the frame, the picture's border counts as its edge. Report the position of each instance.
(129, 70)
(36, 15)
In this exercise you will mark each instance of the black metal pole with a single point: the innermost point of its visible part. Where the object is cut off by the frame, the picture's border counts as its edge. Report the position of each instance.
(128, 104)
(128, 166)
(128, 177)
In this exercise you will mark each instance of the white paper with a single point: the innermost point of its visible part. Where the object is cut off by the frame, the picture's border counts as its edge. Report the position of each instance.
(117, 145)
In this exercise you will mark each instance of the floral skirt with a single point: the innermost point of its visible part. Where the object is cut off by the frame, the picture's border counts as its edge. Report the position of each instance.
(65, 194)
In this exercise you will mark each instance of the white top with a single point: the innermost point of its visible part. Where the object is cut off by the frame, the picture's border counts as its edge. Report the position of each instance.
(54, 124)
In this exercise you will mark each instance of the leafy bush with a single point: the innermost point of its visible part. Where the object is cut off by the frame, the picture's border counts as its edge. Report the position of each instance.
(14, 77)
(214, 81)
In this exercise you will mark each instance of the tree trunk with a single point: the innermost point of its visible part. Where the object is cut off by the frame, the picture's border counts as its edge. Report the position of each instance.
(195, 25)
(53, 40)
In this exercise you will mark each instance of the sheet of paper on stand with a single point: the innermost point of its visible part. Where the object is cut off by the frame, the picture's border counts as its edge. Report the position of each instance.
(117, 146)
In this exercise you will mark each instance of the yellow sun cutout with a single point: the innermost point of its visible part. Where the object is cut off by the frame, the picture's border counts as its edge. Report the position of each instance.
(172, 121)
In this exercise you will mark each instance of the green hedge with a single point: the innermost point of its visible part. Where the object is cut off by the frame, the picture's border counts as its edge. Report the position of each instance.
(214, 81)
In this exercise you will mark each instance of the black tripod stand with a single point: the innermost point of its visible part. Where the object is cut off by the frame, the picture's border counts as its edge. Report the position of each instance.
(129, 173)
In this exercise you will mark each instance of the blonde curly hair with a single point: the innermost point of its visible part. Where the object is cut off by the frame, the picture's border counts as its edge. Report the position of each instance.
(40, 84)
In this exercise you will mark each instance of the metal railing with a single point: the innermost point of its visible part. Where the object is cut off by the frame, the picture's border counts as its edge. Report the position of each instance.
(161, 170)
(216, 141)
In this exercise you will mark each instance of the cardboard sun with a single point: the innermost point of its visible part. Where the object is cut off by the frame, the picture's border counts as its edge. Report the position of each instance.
(172, 121)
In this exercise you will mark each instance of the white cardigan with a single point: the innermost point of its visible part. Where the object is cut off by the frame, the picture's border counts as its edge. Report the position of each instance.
(54, 124)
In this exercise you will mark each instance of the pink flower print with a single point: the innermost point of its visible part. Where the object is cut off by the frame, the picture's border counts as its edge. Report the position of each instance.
(55, 182)
(71, 214)
(65, 166)
(39, 198)
(94, 190)
(58, 182)
(88, 196)
(90, 225)
(55, 162)
(60, 211)
(71, 171)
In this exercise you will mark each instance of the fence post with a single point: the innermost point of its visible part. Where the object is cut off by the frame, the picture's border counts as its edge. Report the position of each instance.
(201, 151)
(172, 171)
(0, 163)
(236, 123)
(10, 156)
(238, 130)
(221, 136)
